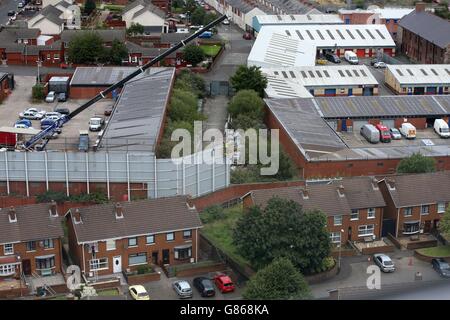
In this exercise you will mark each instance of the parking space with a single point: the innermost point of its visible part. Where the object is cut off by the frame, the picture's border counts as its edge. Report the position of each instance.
(21, 99)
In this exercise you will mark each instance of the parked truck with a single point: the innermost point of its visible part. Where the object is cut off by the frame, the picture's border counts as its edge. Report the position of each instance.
(351, 57)
(441, 128)
(408, 130)
(96, 123)
(84, 141)
(371, 133)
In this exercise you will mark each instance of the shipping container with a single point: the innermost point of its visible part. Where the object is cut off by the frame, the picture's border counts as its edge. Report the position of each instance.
(8, 139)
(59, 84)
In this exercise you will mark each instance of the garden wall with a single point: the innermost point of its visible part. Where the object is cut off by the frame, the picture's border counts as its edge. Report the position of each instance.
(142, 278)
(425, 258)
(421, 244)
(394, 241)
(381, 249)
(322, 276)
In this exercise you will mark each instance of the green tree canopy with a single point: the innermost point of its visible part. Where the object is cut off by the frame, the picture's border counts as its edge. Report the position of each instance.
(86, 48)
(198, 16)
(193, 54)
(249, 78)
(209, 17)
(183, 107)
(280, 280)
(117, 53)
(89, 6)
(444, 223)
(135, 28)
(247, 102)
(283, 229)
(189, 81)
(417, 163)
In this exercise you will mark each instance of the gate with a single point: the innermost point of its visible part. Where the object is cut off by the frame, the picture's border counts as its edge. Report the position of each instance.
(220, 88)
(388, 227)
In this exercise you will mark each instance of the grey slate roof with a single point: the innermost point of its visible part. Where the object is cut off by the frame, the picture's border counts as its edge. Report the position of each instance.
(106, 35)
(99, 76)
(11, 35)
(51, 13)
(140, 218)
(416, 189)
(138, 114)
(147, 51)
(359, 194)
(428, 26)
(33, 223)
(148, 6)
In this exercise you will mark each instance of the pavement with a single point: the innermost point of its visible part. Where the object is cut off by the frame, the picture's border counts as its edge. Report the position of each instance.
(5, 6)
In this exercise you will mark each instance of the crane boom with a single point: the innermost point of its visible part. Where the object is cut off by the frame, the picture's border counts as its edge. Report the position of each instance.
(49, 131)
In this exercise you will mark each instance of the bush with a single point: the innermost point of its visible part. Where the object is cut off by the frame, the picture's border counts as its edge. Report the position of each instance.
(48, 196)
(212, 214)
(193, 54)
(417, 163)
(247, 102)
(144, 269)
(60, 197)
(38, 92)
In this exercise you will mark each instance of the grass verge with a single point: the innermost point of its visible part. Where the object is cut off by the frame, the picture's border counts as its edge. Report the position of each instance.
(437, 252)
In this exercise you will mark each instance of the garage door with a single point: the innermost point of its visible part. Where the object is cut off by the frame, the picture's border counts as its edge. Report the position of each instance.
(390, 123)
(330, 92)
(358, 124)
(361, 53)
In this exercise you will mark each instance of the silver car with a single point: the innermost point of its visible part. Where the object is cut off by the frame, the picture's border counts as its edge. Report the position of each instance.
(384, 262)
(182, 288)
(395, 134)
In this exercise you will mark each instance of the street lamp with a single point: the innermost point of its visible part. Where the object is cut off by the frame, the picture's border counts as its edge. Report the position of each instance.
(20, 274)
(340, 249)
(39, 64)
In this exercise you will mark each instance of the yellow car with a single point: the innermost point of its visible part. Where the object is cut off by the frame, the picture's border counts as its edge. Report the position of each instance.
(138, 292)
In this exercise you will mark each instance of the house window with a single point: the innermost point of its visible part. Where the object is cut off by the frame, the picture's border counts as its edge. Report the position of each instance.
(150, 239)
(56, 56)
(43, 263)
(132, 242)
(337, 220)
(8, 248)
(366, 230)
(354, 215)
(110, 245)
(170, 236)
(187, 234)
(48, 244)
(48, 56)
(407, 212)
(98, 264)
(441, 207)
(335, 237)
(31, 245)
(7, 270)
(424, 210)
(138, 258)
(371, 213)
(181, 253)
(411, 227)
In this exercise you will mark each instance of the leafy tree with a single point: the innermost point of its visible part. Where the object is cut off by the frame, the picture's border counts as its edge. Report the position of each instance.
(198, 16)
(193, 54)
(444, 223)
(247, 102)
(212, 214)
(117, 53)
(135, 28)
(209, 17)
(417, 163)
(249, 78)
(177, 3)
(359, 4)
(190, 6)
(86, 48)
(189, 81)
(183, 107)
(283, 229)
(38, 92)
(286, 167)
(280, 280)
(89, 7)
(245, 121)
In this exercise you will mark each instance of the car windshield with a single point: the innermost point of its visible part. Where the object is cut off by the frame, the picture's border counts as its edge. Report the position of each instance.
(444, 130)
(388, 263)
(385, 132)
(95, 121)
(142, 294)
(445, 266)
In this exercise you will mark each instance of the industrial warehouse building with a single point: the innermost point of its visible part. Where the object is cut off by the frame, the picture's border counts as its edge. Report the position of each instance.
(322, 134)
(418, 79)
(303, 82)
(294, 46)
(294, 20)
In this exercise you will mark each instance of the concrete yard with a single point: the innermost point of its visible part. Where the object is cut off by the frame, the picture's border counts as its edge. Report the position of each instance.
(20, 99)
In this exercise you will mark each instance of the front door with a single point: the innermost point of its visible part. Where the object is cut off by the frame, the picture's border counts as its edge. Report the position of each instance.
(26, 267)
(427, 227)
(165, 254)
(349, 233)
(117, 264)
(155, 257)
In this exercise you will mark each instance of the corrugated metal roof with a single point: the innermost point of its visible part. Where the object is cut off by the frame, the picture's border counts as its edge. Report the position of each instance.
(421, 74)
(100, 76)
(384, 13)
(138, 113)
(298, 19)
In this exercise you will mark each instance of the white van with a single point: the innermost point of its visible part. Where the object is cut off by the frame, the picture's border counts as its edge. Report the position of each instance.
(441, 128)
(408, 130)
(371, 133)
(351, 57)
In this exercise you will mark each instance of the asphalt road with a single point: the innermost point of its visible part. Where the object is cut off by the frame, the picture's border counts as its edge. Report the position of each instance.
(5, 6)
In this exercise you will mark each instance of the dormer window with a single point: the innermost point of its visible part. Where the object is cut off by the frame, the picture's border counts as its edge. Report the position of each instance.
(305, 194)
(340, 191)
(12, 215)
(53, 209)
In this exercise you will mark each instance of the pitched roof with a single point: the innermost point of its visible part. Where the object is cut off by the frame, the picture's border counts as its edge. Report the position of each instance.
(33, 223)
(106, 35)
(416, 189)
(11, 35)
(139, 218)
(428, 26)
(359, 193)
(147, 6)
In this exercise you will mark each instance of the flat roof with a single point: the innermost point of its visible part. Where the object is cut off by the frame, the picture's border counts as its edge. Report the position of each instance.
(298, 19)
(384, 13)
(138, 114)
(288, 45)
(99, 76)
(317, 76)
(421, 74)
(19, 130)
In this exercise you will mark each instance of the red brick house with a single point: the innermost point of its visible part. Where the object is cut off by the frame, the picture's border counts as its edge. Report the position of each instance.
(416, 202)
(4, 84)
(354, 206)
(30, 240)
(111, 238)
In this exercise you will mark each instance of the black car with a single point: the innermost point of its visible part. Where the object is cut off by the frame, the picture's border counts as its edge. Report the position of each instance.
(62, 97)
(204, 286)
(441, 266)
(332, 57)
(62, 110)
(373, 61)
(11, 13)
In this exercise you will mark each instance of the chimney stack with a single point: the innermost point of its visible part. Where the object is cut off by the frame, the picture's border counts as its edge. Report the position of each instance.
(119, 211)
(77, 216)
(12, 214)
(305, 194)
(391, 183)
(420, 6)
(341, 191)
(53, 209)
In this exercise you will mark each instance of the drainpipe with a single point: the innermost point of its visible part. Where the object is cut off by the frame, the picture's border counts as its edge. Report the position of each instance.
(84, 262)
(398, 218)
(196, 245)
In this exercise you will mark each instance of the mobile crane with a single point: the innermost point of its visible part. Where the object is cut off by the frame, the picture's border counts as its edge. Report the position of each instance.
(57, 124)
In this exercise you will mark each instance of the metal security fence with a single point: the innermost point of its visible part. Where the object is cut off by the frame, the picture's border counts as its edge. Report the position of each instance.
(163, 177)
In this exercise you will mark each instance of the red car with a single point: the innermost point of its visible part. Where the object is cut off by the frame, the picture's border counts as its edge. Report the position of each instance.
(224, 283)
(247, 36)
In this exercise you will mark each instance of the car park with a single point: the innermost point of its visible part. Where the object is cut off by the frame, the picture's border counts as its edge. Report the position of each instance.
(395, 134)
(441, 266)
(224, 283)
(204, 286)
(384, 262)
(51, 96)
(62, 97)
(182, 288)
(379, 65)
(138, 292)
